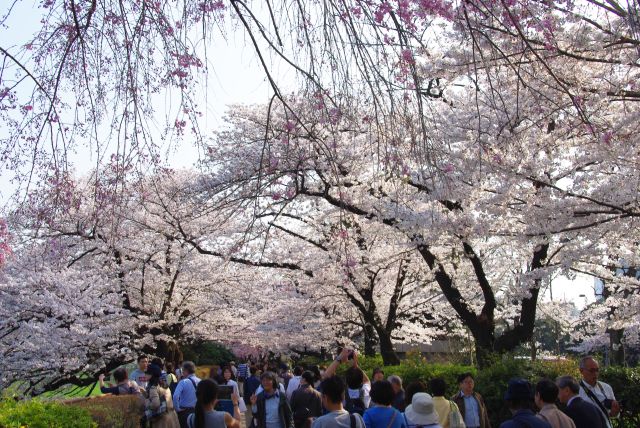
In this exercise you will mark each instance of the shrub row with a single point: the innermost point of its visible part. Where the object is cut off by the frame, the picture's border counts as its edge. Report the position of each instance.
(41, 414)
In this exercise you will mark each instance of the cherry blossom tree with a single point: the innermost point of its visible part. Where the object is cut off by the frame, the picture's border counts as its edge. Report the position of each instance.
(542, 202)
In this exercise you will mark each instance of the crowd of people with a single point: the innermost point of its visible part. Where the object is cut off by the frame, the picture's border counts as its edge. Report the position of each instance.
(274, 397)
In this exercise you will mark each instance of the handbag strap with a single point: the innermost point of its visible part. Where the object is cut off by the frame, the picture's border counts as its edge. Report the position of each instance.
(595, 400)
(393, 418)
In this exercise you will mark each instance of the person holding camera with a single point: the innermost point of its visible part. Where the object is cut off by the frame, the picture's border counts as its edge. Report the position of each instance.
(358, 397)
(597, 392)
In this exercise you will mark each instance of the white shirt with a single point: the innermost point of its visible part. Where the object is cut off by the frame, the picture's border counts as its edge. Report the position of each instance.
(294, 383)
(355, 393)
(602, 391)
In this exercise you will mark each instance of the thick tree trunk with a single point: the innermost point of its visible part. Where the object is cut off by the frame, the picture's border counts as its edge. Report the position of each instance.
(616, 348)
(169, 352)
(388, 352)
(370, 340)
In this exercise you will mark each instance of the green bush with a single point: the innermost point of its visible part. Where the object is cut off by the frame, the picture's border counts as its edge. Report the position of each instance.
(626, 385)
(207, 353)
(41, 414)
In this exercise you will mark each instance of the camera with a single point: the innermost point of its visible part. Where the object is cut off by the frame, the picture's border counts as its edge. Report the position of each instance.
(607, 403)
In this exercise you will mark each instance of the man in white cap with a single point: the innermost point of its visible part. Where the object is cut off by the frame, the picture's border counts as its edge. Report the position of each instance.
(421, 412)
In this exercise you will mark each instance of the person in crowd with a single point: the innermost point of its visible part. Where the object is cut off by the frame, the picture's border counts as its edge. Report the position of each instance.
(318, 375)
(333, 394)
(421, 412)
(519, 397)
(250, 387)
(377, 374)
(583, 413)
(171, 377)
(381, 414)
(159, 406)
(228, 379)
(184, 399)
(123, 384)
(294, 383)
(413, 387)
(234, 369)
(139, 375)
(205, 415)
(398, 392)
(357, 398)
(285, 375)
(306, 401)
(545, 398)
(179, 370)
(243, 374)
(270, 407)
(597, 392)
(445, 409)
(470, 403)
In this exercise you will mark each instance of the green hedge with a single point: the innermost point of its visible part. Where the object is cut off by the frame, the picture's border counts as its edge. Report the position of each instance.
(207, 353)
(40, 414)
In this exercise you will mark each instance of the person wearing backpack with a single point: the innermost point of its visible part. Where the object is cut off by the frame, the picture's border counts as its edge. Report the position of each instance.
(184, 400)
(357, 398)
(333, 394)
(381, 414)
(306, 402)
(159, 410)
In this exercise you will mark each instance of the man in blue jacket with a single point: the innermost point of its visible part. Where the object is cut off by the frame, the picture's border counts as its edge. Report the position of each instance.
(519, 397)
(583, 413)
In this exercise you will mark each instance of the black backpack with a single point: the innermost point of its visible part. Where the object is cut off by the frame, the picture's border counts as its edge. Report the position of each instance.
(355, 405)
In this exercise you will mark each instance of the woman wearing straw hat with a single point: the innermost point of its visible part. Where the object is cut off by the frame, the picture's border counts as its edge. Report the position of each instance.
(421, 412)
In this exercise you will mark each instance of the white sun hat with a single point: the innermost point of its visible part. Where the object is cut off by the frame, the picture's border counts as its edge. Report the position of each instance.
(421, 410)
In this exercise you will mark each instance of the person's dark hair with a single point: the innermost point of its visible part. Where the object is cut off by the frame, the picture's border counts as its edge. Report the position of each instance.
(154, 372)
(189, 367)
(463, 376)
(333, 389)
(438, 387)
(272, 376)
(548, 391)
(298, 370)
(141, 357)
(308, 377)
(206, 393)
(382, 392)
(158, 362)
(253, 369)
(228, 368)
(120, 374)
(316, 372)
(169, 367)
(376, 371)
(354, 377)
(413, 388)
(568, 381)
